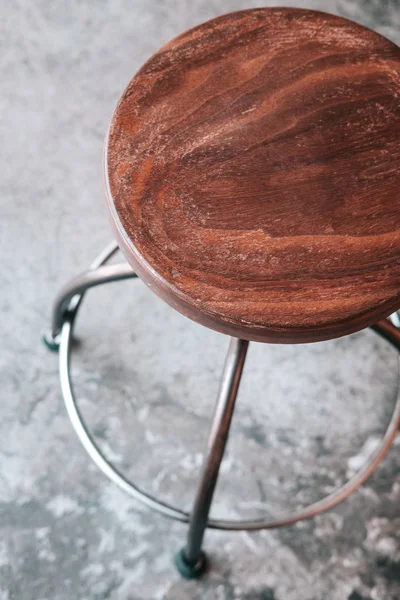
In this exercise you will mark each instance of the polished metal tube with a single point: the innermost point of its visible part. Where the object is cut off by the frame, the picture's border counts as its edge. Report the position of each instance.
(216, 446)
(81, 283)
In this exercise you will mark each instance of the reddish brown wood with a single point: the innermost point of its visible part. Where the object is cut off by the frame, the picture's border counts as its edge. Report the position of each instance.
(253, 175)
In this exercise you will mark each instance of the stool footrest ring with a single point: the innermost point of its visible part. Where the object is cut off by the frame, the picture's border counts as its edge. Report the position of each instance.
(384, 328)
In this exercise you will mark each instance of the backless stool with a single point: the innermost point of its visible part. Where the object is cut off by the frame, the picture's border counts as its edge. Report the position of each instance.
(252, 171)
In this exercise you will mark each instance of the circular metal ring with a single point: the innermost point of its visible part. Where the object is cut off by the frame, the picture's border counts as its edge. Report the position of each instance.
(385, 328)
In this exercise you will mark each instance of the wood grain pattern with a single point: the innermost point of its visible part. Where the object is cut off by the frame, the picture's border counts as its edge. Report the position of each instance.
(252, 170)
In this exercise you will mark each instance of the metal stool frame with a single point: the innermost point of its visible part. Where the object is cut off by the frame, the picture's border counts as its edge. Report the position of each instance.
(191, 560)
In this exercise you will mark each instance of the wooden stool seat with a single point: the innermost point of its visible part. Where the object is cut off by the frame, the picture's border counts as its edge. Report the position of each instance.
(253, 175)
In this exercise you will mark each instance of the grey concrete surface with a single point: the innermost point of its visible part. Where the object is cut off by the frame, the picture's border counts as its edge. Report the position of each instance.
(146, 377)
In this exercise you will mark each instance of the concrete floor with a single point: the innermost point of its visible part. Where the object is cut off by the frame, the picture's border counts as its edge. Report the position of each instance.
(146, 377)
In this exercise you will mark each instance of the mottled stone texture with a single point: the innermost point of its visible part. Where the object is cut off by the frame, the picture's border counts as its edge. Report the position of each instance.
(306, 414)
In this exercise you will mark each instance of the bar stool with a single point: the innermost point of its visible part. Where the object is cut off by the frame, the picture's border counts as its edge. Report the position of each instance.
(252, 171)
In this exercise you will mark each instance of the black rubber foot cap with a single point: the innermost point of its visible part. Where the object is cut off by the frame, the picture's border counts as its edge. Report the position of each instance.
(188, 570)
(51, 342)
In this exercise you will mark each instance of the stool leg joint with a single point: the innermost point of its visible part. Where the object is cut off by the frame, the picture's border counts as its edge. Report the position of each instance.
(70, 296)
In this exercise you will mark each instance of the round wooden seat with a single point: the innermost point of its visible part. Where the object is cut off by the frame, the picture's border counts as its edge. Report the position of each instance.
(253, 175)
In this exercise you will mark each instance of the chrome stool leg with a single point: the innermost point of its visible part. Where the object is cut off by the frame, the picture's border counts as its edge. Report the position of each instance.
(191, 560)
